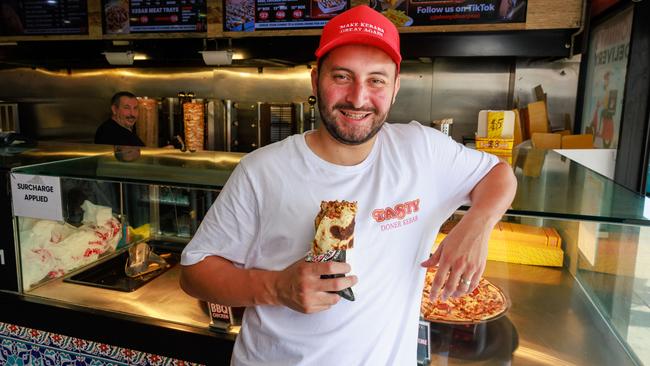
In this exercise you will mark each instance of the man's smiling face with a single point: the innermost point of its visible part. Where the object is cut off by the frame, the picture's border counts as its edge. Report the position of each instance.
(356, 86)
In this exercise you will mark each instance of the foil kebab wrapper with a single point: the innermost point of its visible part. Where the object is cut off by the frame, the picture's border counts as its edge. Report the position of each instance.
(334, 236)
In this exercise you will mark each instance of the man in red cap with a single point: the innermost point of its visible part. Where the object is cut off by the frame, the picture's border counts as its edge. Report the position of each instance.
(406, 179)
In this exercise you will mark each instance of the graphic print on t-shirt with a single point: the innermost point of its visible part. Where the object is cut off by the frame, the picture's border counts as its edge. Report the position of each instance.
(398, 215)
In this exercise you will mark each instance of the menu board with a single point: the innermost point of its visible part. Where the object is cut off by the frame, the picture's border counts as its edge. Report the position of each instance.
(406, 13)
(153, 16)
(42, 17)
(251, 15)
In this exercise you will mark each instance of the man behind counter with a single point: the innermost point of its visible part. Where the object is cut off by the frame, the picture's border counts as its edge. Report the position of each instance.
(119, 129)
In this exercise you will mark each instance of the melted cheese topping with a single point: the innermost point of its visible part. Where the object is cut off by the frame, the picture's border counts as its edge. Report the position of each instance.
(334, 213)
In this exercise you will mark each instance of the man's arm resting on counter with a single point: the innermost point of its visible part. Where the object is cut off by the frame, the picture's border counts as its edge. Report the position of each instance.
(299, 286)
(463, 252)
(492, 196)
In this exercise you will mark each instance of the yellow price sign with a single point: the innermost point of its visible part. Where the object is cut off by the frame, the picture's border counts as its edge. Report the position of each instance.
(495, 124)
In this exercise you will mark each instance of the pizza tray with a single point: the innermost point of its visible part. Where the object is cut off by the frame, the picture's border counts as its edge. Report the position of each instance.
(475, 322)
(498, 315)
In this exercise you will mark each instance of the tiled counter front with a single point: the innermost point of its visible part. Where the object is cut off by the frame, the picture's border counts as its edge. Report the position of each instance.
(22, 346)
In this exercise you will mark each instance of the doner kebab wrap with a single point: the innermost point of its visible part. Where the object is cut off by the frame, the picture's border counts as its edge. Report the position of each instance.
(334, 226)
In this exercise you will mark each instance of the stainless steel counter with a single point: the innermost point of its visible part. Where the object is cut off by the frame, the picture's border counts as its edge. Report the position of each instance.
(162, 299)
(550, 322)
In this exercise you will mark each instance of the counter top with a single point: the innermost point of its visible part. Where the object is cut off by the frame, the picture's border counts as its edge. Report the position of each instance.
(550, 322)
(160, 299)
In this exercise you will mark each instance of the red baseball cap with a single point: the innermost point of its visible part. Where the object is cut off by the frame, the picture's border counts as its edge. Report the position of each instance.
(361, 25)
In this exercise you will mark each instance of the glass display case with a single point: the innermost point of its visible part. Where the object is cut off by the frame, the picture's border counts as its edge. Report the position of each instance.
(581, 297)
(24, 154)
(112, 203)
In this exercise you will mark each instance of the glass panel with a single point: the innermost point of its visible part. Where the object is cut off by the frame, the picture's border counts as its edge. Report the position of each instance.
(14, 156)
(647, 181)
(614, 269)
(551, 319)
(93, 228)
(550, 185)
(163, 216)
(143, 165)
(100, 218)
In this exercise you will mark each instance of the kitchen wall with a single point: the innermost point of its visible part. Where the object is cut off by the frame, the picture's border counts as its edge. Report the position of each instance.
(68, 105)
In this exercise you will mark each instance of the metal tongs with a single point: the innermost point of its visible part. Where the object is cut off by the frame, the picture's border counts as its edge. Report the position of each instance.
(143, 260)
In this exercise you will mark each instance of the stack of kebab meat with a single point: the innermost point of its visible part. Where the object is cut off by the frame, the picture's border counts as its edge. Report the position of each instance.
(194, 126)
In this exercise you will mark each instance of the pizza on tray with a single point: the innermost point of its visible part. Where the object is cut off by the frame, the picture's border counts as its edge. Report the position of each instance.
(484, 303)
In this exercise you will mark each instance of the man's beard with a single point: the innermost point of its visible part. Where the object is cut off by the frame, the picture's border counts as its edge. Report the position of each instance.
(353, 136)
(129, 122)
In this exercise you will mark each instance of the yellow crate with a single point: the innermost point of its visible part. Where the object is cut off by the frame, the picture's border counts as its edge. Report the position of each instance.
(512, 249)
(497, 151)
(485, 143)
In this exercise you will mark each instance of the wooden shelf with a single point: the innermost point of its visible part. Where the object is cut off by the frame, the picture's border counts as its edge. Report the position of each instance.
(541, 15)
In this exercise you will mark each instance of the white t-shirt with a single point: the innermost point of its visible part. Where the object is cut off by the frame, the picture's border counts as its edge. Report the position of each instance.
(414, 178)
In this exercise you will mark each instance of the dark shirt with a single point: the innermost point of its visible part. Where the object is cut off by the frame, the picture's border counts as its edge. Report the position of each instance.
(111, 133)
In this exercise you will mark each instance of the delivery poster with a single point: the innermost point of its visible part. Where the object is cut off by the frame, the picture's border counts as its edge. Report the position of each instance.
(609, 47)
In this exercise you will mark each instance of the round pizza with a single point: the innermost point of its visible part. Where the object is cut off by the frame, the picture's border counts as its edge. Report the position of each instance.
(484, 303)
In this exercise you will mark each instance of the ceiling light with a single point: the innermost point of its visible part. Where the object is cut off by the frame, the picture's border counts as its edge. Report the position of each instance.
(217, 57)
(119, 58)
(141, 56)
(237, 56)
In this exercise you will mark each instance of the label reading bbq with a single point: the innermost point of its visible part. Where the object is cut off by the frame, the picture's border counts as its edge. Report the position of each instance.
(220, 312)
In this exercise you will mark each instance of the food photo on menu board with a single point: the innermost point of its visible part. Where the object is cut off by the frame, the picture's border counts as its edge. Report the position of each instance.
(406, 13)
(251, 15)
(147, 16)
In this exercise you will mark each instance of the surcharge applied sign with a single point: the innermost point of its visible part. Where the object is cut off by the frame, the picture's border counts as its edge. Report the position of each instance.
(36, 196)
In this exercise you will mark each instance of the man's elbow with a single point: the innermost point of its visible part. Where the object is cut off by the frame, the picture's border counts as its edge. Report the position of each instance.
(511, 179)
(186, 281)
(500, 180)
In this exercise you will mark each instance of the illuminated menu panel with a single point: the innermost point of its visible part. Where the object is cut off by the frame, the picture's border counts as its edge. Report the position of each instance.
(42, 17)
(406, 13)
(251, 15)
(153, 16)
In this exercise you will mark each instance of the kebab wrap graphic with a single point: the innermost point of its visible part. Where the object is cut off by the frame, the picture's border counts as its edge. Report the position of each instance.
(334, 226)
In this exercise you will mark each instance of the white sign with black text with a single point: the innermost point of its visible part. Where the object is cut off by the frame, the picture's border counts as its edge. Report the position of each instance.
(36, 196)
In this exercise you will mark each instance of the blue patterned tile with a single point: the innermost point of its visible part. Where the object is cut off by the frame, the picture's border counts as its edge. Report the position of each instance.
(52, 357)
(149, 359)
(21, 346)
(129, 356)
(6, 345)
(101, 350)
(11, 330)
(16, 352)
(85, 360)
(138, 358)
(60, 341)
